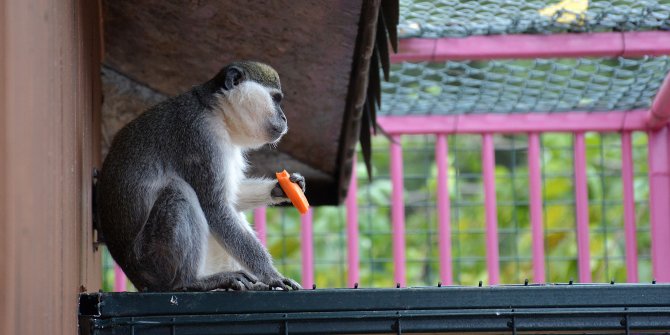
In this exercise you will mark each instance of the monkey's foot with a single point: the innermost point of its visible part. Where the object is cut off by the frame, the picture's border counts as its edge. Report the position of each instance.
(240, 280)
(283, 283)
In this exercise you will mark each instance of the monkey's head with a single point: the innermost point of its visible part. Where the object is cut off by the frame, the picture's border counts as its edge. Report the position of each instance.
(248, 94)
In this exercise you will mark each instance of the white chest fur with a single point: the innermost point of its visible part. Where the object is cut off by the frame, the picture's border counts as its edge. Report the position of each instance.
(233, 164)
(232, 159)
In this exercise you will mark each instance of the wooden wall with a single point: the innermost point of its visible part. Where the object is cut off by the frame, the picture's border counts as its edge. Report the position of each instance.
(49, 129)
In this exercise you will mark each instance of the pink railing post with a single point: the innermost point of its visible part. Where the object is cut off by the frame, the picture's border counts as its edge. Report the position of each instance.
(443, 208)
(582, 209)
(488, 171)
(659, 202)
(307, 249)
(352, 228)
(535, 199)
(627, 176)
(659, 113)
(260, 222)
(398, 211)
(120, 280)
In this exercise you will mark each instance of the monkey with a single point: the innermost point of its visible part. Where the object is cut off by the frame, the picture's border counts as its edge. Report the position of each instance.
(172, 188)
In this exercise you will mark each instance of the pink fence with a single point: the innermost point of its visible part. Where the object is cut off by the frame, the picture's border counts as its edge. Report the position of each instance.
(660, 189)
(659, 197)
(652, 121)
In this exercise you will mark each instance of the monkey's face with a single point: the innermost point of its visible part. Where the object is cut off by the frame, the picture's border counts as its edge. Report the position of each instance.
(250, 103)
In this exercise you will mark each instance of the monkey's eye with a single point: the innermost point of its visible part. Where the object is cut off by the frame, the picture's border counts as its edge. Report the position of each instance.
(277, 97)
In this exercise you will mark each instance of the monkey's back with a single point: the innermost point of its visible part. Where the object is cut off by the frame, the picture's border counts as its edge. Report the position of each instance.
(137, 167)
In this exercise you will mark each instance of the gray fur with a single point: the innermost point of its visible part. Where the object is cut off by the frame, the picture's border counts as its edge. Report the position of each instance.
(172, 177)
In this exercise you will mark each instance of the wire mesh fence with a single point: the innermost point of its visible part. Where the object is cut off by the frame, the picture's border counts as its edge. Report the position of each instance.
(462, 18)
(522, 86)
(467, 210)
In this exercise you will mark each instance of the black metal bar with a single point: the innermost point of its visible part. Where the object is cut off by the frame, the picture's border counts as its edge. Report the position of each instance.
(145, 304)
(580, 308)
(626, 324)
(512, 324)
(343, 322)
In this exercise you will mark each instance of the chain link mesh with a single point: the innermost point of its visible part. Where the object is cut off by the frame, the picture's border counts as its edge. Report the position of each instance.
(461, 18)
(519, 86)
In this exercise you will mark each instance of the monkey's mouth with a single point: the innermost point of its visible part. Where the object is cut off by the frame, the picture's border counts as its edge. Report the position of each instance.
(275, 133)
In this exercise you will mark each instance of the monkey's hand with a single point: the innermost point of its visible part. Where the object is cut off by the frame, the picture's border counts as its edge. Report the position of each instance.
(278, 192)
(278, 281)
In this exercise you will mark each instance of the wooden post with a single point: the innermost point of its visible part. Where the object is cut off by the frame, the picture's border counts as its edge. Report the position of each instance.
(49, 123)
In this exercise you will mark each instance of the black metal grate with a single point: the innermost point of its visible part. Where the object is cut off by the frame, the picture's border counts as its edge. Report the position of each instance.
(585, 309)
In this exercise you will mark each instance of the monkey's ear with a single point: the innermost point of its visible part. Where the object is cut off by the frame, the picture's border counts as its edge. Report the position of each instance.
(233, 78)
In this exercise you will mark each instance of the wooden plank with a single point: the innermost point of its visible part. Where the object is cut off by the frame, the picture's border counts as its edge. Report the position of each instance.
(50, 98)
(7, 313)
(90, 276)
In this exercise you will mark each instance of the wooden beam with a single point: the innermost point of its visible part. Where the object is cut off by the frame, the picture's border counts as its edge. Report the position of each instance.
(50, 97)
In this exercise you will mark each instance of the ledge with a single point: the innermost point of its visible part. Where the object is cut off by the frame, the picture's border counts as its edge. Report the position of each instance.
(580, 308)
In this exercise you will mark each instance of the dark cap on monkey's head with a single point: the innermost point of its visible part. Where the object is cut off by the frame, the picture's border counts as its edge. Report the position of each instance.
(240, 71)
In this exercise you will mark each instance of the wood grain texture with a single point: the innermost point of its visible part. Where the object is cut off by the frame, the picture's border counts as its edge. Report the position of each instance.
(6, 247)
(50, 97)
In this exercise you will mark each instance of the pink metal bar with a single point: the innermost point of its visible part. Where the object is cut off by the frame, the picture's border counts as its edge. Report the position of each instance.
(414, 50)
(488, 172)
(307, 249)
(576, 121)
(414, 125)
(582, 209)
(398, 212)
(352, 229)
(629, 206)
(646, 43)
(536, 215)
(606, 44)
(660, 108)
(659, 202)
(120, 280)
(443, 209)
(260, 223)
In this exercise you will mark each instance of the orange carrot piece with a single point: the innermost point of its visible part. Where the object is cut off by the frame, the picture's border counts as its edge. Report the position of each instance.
(293, 192)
